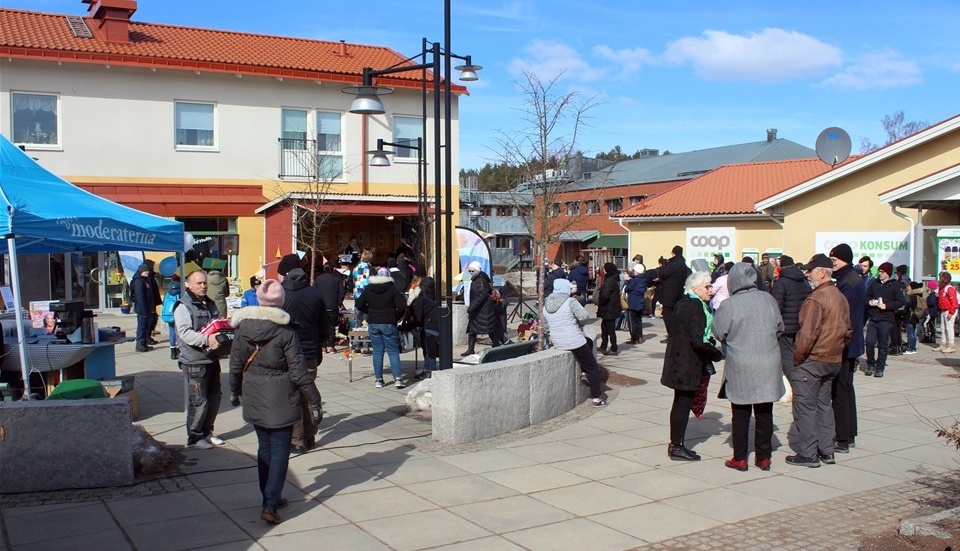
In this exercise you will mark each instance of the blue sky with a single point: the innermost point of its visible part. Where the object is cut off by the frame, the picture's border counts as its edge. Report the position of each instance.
(674, 76)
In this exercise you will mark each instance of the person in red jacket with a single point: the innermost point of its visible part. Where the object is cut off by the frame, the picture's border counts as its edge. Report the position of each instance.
(947, 301)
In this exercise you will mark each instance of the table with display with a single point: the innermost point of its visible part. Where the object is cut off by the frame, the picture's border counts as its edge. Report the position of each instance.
(63, 360)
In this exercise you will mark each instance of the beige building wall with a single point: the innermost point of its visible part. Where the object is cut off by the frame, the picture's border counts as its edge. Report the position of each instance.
(655, 239)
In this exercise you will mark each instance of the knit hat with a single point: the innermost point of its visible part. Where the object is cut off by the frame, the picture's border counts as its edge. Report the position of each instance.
(610, 268)
(677, 250)
(932, 285)
(842, 252)
(474, 266)
(143, 268)
(287, 263)
(270, 293)
(902, 270)
(786, 261)
(886, 267)
(383, 272)
(254, 281)
(562, 286)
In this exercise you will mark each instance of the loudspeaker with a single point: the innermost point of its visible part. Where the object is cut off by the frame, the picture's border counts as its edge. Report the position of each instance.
(521, 246)
(230, 243)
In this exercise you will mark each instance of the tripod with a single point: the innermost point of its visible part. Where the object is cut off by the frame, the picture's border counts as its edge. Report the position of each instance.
(518, 308)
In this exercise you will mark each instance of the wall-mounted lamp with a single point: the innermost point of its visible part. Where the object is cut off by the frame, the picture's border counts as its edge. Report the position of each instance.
(389, 217)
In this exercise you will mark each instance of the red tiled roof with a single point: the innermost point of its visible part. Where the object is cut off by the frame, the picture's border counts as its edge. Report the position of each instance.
(46, 36)
(729, 189)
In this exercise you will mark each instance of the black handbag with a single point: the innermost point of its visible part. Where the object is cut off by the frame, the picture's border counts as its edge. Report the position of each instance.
(723, 390)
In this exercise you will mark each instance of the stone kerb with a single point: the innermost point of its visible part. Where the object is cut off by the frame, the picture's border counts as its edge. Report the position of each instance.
(58, 444)
(475, 402)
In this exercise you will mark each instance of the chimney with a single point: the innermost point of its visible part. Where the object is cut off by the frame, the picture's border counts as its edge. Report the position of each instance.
(343, 49)
(771, 134)
(111, 18)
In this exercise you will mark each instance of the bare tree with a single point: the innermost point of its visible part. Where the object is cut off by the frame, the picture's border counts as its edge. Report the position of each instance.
(315, 173)
(896, 128)
(545, 151)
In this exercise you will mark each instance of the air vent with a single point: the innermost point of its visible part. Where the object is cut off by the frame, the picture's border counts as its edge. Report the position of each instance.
(79, 27)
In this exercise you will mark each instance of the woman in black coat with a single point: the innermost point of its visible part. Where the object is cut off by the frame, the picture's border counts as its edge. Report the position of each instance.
(689, 355)
(608, 308)
(422, 305)
(482, 310)
(268, 373)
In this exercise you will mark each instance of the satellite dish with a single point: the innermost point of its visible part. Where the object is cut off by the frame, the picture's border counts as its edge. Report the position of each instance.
(833, 145)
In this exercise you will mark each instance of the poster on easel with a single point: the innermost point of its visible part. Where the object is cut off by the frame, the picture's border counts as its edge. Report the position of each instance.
(7, 294)
(41, 315)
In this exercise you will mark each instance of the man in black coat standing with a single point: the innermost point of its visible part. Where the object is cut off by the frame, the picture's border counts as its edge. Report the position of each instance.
(790, 290)
(853, 287)
(482, 310)
(672, 275)
(330, 285)
(307, 312)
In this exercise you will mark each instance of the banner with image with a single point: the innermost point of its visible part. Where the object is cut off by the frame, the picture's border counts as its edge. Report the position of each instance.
(948, 251)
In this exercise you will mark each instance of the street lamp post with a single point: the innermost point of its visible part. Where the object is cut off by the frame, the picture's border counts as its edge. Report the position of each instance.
(380, 158)
(367, 101)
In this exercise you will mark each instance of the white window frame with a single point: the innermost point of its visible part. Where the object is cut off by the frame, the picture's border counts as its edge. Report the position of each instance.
(403, 132)
(335, 155)
(213, 127)
(573, 208)
(591, 207)
(614, 205)
(57, 144)
(303, 135)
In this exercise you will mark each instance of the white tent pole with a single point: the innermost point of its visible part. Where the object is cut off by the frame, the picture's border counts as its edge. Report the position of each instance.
(21, 338)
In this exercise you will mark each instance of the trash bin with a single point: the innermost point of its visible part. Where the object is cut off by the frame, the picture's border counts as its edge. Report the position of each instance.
(77, 389)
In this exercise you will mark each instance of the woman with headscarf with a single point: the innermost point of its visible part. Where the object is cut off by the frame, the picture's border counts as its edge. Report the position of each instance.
(689, 356)
(267, 372)
(608, 308)
(383, 306)
(749, 324)
(481, 310)
(563, 316)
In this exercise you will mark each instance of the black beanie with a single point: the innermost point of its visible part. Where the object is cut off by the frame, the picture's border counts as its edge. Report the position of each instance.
(786, 261)
(842, 252)
(287, 263)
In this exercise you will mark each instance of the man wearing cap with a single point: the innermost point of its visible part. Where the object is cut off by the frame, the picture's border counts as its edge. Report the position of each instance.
(672, 276)
(767, 271)
(249, 297)
(790, 291)
(883, 299)
(818, 350)
(144, 290)
(851, 285)
(200, 369)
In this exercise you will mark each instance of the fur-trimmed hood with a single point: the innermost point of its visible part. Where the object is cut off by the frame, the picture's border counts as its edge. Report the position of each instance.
(412, 295)
(263, 320)
(374, 279)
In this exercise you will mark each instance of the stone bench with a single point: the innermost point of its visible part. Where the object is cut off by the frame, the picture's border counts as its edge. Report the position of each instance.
(58, 444)
(474, 402)
(507, 351)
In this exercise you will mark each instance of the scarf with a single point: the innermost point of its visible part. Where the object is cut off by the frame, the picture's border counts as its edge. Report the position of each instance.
(706, 312)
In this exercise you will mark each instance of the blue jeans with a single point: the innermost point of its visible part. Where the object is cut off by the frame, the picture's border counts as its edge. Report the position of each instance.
(385, 336)
(911, 336)
(273, 455)
(172, 328)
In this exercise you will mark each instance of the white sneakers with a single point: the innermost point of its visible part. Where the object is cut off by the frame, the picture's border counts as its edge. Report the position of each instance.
(215, 440)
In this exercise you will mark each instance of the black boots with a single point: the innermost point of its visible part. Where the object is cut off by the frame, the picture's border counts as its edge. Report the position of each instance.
(142, 346)
(174, 353)
(681, 453)
(471, 344)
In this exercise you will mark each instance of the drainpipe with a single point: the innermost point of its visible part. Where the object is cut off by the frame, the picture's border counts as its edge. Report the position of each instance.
(629, 248)
(783, 243)
(910, 242)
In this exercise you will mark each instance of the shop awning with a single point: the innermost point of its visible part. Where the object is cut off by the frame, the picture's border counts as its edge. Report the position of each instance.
(182, 200)
(610, 242)
(578, 236)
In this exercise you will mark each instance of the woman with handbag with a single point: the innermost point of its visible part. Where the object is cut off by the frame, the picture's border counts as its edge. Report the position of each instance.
(749, 325)
(563, 316)
(608, 308)
(267, 371)
(689, 357)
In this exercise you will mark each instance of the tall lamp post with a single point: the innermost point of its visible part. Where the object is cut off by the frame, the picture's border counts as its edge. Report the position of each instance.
(367, 102)
(380, 158)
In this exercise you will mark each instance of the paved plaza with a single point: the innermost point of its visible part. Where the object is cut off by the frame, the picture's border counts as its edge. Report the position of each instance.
(592, 479)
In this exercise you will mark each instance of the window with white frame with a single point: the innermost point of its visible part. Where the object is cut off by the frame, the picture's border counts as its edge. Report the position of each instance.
(554, 209)
(194, 124)
(294, 128)
(573, 208)
(614, 205)
(35, 118)
(592, 207)
(329, 145)
(406, 130)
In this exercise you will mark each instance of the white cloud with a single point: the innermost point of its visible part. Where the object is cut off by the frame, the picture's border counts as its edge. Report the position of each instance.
(886, 69)
(630, 60)
(771, 55)
(547, 59)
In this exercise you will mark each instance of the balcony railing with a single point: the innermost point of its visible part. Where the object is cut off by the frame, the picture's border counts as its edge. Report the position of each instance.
(299, 159)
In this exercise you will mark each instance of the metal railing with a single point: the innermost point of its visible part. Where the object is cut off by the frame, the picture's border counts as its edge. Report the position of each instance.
(298, 159)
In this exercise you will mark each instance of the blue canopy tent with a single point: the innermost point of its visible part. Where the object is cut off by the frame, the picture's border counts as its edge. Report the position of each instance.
(43, 213)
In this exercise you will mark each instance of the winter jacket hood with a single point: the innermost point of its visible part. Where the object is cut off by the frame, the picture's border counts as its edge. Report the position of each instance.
(254, 314)
(742, 277)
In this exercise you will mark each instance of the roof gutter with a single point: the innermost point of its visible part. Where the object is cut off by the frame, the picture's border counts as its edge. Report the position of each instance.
(913, 234)
(696, 218)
